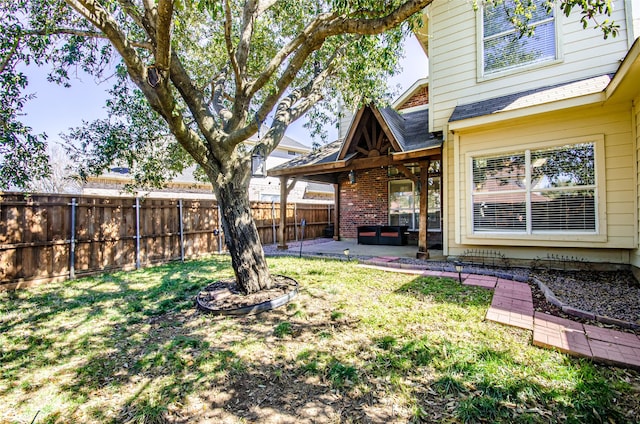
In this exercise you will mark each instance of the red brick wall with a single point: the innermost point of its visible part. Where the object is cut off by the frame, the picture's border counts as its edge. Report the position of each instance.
(365, 202)
(419, 98)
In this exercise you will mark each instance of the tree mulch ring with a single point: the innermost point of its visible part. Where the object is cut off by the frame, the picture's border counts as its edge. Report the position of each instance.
(224, 297)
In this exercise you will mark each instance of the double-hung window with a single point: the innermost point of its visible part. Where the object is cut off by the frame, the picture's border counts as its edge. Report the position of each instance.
(541, 191)
(505, 48)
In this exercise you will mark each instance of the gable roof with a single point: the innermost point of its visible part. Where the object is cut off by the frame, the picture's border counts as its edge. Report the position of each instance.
(409, 133)
(530, 98)
(409, 93)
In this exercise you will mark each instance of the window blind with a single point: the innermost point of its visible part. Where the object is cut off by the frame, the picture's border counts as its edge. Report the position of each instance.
(503, 45)
(547, 190)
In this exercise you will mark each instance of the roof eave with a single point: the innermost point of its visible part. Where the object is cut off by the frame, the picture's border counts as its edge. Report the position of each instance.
(309, 169)
(409, 92)
(416, 153)
(497, 117)
(627, 76)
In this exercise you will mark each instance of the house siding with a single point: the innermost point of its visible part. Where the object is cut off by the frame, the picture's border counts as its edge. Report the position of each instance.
(635, 257)
(454, 66)
(613, 122)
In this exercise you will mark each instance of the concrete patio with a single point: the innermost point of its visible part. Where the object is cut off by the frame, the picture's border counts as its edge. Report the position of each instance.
(330, 247)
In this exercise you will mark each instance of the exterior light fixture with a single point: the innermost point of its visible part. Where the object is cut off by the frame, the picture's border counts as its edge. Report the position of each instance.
(346, 251)
(458, 266)
(352, 176)
(258, 162)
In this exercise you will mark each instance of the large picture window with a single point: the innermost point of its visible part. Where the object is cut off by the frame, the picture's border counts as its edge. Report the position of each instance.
(505, 48)
(536, 191)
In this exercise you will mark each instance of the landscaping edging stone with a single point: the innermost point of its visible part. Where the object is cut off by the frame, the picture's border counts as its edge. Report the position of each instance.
(576, 312)
(256, 308)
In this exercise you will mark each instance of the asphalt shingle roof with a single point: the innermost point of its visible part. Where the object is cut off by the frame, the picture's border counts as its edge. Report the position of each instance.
(411, 131)
(326, 154)
(533, 97)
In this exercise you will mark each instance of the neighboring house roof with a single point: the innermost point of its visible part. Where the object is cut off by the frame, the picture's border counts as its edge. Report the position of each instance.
(533, 97)
(186, 179)
(290, 142)
(319, 188)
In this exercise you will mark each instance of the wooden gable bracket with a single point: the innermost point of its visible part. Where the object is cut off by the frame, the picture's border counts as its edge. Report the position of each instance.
(407, 172)
(290, 186)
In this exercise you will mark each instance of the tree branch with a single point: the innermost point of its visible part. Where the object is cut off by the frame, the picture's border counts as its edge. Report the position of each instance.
(132, 11)
(160, 99)
(84, 33)
(197, 105)
(103, 21)
(298, 103)
(163, 34)
(285, 52)
(10, 55)
(248, 19)
(228, 22)
(325, 26)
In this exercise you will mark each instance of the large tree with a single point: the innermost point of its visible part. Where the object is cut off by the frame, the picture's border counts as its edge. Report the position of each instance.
(196, 78)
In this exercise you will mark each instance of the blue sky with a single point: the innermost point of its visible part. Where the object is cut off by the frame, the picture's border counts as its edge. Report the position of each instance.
(56, 109)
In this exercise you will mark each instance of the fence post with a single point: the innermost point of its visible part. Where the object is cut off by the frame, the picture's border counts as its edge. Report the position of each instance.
(181, 231)
(295, 219)
(137, 206)
(72, 245)
(273, 221)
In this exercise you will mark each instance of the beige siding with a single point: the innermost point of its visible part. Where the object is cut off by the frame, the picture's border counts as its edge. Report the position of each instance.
(635, 257)
(453, 60)
(620, 224)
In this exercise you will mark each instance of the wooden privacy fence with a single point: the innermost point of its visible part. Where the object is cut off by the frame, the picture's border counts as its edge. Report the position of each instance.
(53, 237)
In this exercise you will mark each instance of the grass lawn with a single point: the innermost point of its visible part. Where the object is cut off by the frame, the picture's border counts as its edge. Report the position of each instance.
(356, 345)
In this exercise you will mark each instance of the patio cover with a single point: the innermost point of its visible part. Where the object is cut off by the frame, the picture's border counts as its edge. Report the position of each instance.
(408, 135)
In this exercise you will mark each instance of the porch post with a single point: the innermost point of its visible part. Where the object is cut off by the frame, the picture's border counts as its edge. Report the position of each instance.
(282, 229)
(423, 251)
(336, 212)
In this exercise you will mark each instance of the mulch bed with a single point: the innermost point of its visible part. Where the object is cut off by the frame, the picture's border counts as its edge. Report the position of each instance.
(225, 295)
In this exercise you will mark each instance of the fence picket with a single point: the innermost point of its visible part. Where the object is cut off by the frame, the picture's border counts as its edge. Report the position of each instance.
(56, 237)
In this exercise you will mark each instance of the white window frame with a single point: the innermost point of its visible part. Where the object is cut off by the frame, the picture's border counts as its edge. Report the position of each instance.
(482, 75)
(540, 237)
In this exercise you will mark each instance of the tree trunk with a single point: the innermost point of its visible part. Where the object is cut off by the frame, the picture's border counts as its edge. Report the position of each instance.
(241, 237)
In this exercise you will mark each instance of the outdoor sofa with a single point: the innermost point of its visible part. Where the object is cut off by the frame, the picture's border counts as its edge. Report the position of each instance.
(395, 235)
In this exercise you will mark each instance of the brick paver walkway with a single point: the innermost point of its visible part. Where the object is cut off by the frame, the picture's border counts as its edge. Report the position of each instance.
(512, 305)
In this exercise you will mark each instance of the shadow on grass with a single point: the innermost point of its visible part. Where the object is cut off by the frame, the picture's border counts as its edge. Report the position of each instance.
(446, 290)
(141, 342)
